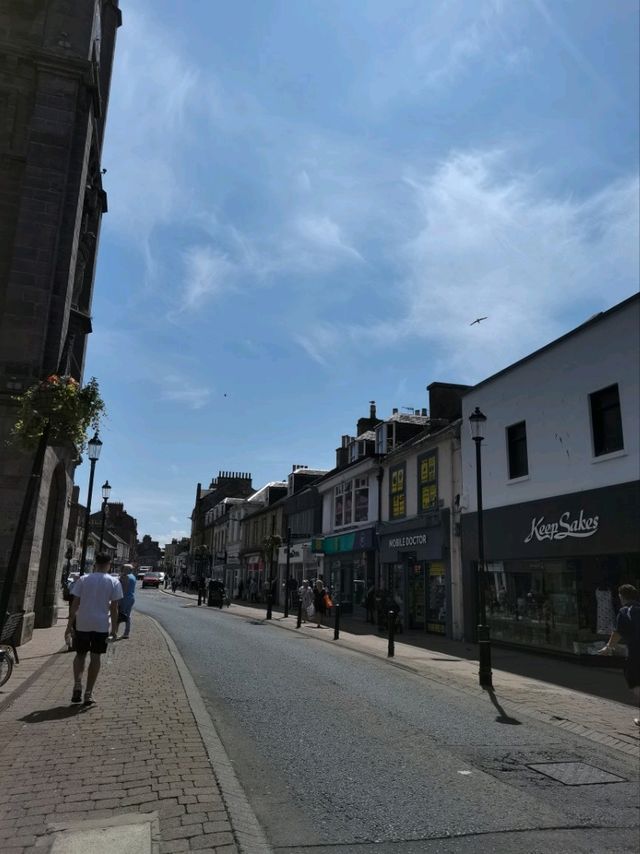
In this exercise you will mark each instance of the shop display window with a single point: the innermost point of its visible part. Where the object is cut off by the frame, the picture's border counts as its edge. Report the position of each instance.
(567, 604)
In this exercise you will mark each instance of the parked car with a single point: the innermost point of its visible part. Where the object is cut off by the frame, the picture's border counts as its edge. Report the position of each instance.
(143, 570)
(151, 579)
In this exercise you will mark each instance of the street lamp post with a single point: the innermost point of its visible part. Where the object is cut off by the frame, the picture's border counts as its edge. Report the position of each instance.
(94, 446)
(478, 420)
(106, 492)
(287, 573)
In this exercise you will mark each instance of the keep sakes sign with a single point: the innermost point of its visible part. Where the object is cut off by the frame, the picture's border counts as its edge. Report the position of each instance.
(579, 527)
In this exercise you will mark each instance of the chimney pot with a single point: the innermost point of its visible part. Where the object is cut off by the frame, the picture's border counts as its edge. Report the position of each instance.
(394, 411)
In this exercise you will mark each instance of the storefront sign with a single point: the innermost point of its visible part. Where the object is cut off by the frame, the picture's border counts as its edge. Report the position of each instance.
(413, 539)
(406, 542)
(353, 541)
(583, 526)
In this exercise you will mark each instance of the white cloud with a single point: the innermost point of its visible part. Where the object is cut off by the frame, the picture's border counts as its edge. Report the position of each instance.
(208, 273)
(489, 242)
(154, 89)
(182, 390)
(323, 234)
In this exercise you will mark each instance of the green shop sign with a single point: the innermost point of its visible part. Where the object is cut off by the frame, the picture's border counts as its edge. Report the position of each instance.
(351, 542)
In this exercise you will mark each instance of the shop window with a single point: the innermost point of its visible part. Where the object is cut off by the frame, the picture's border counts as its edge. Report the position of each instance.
(517, 450)
(606, 421)
(428, 482)
(361, 499)
(397, 495)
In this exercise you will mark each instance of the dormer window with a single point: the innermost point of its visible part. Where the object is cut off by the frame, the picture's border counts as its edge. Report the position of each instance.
(385, 438)
(357, 449)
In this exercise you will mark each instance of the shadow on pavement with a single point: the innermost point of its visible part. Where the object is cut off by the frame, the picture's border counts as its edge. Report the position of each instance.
(599, 681)
(57, 713)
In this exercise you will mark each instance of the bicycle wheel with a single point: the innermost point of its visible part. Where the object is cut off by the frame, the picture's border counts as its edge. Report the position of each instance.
(6, 666)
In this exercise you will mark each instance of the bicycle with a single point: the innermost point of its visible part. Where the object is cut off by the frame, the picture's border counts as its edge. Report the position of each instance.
(6, 664)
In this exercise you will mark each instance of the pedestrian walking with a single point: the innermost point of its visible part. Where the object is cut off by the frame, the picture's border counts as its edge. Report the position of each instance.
(628, 630)
(96, 598)
(370, 604)
(240, 589)
(319, 601)
(128, 584)
(202, 590)
(305, 594)
(174, 583)
(253, 590)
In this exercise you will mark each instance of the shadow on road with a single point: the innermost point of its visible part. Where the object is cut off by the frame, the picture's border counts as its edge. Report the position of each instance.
(503, 717)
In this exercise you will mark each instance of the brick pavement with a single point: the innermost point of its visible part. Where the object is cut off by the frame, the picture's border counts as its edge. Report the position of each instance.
(139, 750)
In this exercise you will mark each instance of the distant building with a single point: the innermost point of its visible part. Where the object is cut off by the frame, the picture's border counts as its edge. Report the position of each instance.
(148, 552)
(226, 485)
(54, 90)
(118, 522)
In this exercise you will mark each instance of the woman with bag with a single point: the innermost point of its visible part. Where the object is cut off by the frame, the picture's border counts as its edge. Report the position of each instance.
(319, 601)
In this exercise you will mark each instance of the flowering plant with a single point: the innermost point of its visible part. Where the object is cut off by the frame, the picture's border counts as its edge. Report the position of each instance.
(69, 409)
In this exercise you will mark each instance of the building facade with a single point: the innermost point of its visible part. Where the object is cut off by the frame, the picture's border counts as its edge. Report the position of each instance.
(561, 487)
(55, 71)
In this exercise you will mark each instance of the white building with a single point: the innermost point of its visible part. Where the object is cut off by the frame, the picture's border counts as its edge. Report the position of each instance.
(560, 482)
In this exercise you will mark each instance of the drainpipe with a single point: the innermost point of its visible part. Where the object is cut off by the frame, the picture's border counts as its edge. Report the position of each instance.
(379, 478)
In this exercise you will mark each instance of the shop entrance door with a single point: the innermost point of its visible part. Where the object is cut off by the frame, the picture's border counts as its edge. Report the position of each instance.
(416, 595)
(437, 600)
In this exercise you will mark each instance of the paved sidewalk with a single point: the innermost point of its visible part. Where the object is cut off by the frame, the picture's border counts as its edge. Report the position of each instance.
(144, 760)
(604, 721)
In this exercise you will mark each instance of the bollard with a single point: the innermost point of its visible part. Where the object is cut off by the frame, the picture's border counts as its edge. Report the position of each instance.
(392, 631)
(299, 623)
(336, 625)
(269, 604)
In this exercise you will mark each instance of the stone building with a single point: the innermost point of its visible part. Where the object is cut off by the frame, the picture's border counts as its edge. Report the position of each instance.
(118, 522)
(149, 552)
(55, 70)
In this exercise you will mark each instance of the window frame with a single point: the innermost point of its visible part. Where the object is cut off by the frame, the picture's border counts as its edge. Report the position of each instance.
(599, 445)
(427, 483)
(398, 491)
(513, 444)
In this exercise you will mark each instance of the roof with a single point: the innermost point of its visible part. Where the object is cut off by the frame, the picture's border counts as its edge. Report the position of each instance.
(592, 321)
(406, 418)
(263, 489)
(367, 436)
(425, 436)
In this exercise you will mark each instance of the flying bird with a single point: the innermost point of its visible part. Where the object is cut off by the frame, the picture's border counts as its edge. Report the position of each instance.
(478, 320)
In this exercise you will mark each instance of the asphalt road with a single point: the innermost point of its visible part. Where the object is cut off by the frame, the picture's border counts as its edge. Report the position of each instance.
(340, 752)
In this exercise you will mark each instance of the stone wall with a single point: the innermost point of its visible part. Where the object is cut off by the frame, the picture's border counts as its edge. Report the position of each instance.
(54, 84)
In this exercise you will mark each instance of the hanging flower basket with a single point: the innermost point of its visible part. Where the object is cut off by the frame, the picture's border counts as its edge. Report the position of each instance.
(60, 401)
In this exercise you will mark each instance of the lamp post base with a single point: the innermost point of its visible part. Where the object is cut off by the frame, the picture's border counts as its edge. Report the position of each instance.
(484, 656)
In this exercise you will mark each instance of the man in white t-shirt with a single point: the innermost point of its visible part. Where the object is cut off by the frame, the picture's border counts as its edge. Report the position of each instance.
(95, 600)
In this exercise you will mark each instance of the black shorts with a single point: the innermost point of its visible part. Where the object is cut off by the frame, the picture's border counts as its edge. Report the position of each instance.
(95, 642)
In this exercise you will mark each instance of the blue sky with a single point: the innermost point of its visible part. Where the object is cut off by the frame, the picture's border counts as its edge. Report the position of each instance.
(310, 200)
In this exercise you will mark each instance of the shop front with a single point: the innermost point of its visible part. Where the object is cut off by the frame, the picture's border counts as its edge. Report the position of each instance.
(349, 568)
(554, 566)
(253, 576)
(415, 570)
(303, 563)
